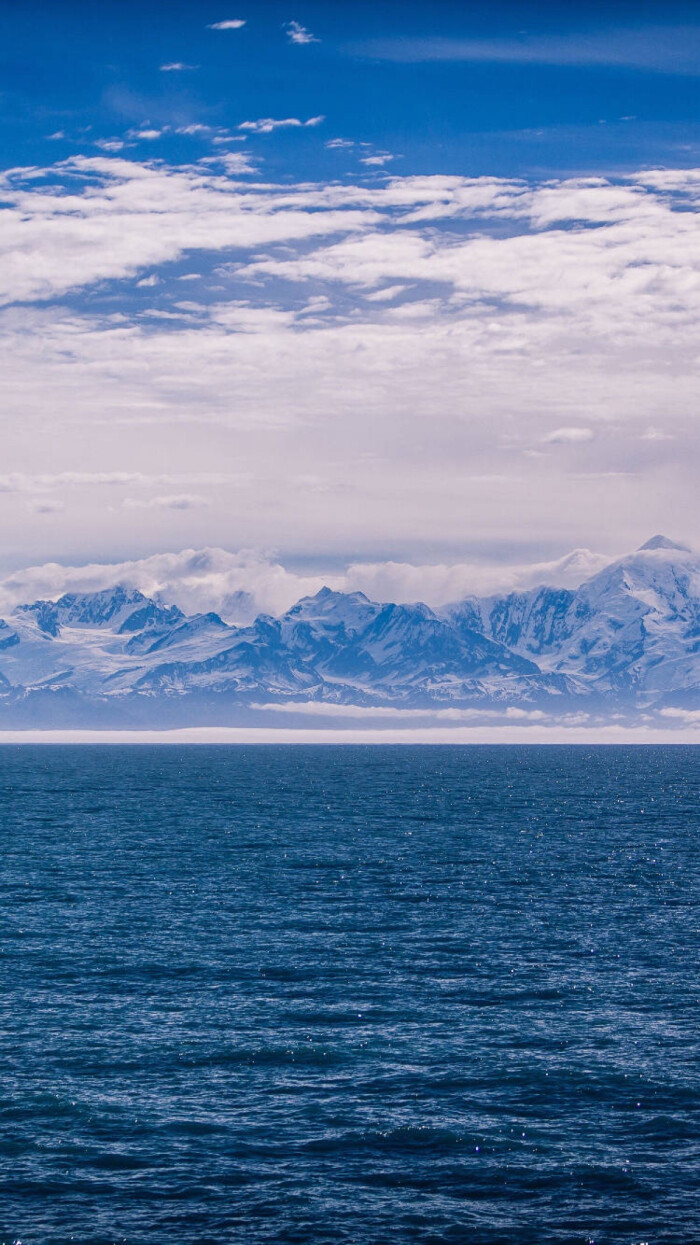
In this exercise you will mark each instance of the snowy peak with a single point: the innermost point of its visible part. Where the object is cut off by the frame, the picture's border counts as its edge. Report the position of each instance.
(327, 602)
(631, 629)
(662, 542)
(44, 614)
(97, 609)
(330, 611)
(115, 609)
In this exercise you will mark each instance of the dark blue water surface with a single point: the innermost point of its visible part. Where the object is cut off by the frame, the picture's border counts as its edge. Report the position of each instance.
(349, 994)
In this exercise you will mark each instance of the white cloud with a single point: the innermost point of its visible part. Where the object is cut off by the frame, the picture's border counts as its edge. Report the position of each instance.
(339, 144)
(568, 436)
(387, 294)
(689, 716)
(110, 144)
(384, 368)
(266, 125)
(297, 33)
(21, 482)
(204, 579)
(656, 434)
(147, 133)
(232, 23)
(379, 161)
(176, 67)
(239, 585)
(174, 501)
(234, 163)
(317, 709)
(441, 583)
(115, 216)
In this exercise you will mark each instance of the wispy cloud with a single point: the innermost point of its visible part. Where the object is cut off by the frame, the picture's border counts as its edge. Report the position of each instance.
(667, 49)
(176, 67)
(42, 482)
(46, 505)
(147, 133)
(194, 128)
(234, 163)
(110, 144)
(568, 436)
(296, 33)
(377, 160)
(22, 482)
(231, 23)
(266, 125)
(387, 294)
(175, 501)
(685, 715)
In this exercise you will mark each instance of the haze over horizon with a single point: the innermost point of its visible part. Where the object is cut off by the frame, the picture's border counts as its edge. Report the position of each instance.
(353, 285)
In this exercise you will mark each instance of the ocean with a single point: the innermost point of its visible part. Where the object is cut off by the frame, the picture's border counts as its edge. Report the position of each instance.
(324, 994)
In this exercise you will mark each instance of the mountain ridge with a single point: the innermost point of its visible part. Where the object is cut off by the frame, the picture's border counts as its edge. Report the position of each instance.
(626, 639)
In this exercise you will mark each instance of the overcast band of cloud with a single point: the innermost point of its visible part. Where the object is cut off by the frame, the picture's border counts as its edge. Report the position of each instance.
(215, 579)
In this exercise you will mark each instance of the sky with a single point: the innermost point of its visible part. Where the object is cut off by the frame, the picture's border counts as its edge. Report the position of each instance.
(341, 284)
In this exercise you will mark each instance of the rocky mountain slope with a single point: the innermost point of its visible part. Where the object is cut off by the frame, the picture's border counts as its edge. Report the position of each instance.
(632, 629)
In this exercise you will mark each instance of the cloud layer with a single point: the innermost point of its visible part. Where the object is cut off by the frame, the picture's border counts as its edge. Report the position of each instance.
(243, 584)
(401, 364)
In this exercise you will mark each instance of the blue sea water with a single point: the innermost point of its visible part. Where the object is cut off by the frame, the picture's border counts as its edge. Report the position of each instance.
(349, 994)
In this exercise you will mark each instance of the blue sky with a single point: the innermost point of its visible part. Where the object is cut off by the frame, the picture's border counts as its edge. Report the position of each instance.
(389, 282)
(469, 88)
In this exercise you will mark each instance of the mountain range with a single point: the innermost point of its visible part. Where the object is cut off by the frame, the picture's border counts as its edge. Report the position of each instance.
(626, 641)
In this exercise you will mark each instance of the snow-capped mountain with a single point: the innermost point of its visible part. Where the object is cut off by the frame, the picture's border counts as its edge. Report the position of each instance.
(629, 637)
(119, 609)
(343, 647)
(633, 628)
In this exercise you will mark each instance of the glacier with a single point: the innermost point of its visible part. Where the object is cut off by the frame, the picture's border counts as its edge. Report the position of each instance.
(626, 641)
